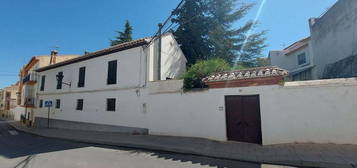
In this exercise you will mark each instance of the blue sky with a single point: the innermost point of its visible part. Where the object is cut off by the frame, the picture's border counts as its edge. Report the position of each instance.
(34, 27)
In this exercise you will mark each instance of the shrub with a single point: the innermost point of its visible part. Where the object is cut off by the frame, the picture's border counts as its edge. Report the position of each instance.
(194, 75)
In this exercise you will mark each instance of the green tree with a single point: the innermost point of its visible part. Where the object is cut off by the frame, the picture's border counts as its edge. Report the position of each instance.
(206, 30)
(124, 36)
(194, 75)
(261, 62)
(192, 30)
(235, 45)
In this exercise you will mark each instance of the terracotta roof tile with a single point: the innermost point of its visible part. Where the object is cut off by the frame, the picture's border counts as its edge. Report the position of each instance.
(296, 46)
(116, 48)
(259, 72)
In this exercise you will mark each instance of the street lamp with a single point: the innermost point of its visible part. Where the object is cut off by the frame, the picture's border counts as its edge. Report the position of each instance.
(59, 78)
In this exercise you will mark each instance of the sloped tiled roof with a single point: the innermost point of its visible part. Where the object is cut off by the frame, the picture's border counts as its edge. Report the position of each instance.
(116, 48)
(259, 72)
(296, 46)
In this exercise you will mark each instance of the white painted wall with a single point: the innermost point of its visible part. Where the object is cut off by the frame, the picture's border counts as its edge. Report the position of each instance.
(310, 111)
(173, 61)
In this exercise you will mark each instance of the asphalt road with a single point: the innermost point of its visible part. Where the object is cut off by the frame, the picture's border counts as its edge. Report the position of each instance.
(21, 150)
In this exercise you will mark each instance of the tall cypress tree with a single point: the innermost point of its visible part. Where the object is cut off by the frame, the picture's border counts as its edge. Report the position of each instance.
(123, 36)
(192, 31)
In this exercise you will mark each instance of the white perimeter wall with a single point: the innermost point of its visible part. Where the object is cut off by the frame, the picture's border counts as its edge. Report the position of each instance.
(310, 111)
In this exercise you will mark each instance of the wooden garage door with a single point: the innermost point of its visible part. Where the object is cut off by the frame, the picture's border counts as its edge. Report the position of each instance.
(243, 119)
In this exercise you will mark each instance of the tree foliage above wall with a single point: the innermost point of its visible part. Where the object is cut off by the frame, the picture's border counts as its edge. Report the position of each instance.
(193, 77)
(207, 29)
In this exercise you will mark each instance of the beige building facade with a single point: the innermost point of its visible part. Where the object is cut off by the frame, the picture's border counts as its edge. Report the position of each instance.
(28, 81)
(9, 98)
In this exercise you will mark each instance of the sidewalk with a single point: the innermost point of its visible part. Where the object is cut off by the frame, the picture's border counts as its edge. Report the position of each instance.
(307, 155)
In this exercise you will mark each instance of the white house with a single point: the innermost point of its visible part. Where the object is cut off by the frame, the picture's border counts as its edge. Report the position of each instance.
(104, 87)
(296, 58)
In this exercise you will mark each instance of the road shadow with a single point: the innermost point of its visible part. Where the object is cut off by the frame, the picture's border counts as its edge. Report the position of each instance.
(195, 159)
(23, 144)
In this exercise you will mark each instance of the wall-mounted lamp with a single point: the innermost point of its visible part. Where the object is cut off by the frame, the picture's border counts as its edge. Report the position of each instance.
(59, 78)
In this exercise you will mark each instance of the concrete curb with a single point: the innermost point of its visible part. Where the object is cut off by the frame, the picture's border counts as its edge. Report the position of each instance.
(183, 150)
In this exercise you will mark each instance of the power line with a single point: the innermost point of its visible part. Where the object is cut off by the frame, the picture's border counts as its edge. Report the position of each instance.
(191, 19)
(166, 21)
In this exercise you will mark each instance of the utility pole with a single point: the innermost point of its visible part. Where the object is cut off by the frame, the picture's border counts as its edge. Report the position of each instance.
(159, 53)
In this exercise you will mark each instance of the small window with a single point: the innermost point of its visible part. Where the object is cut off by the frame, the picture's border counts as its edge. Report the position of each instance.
(302, 59)
(81, 76)
(59, 78)
(41, 104)
(111, 104)
(112, 72)
(43, 79)
(58, 103)
(79, 104)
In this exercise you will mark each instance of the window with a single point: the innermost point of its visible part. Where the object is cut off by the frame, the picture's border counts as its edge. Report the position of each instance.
(43, 78)
(58, 103)
(41, 104)
(302, 59)
(111, 104)
(59, 80)
(81, 76)
(79, 104)
(112, 72)
(304, 75)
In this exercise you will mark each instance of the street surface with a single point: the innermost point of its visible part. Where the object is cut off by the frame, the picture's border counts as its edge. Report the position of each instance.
(21, 150)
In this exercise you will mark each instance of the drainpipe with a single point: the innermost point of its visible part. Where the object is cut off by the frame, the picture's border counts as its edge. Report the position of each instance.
(159, 54)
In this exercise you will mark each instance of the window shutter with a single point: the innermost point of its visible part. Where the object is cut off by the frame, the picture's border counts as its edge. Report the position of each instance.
(81, 77)
(112, 72)
(41, 104)
(59, 81)
(43, 78)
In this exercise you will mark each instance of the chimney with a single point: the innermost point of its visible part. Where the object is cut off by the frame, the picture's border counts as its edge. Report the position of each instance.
(312, 21)
(53, 56)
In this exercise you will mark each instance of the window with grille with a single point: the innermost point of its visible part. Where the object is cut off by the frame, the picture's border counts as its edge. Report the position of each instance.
(111, 104)
(79, 104)
(58, 103)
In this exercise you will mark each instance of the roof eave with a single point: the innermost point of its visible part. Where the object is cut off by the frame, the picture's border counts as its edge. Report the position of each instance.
(90, 56)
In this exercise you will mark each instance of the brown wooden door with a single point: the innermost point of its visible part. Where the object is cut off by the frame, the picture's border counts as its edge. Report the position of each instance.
(243, 119)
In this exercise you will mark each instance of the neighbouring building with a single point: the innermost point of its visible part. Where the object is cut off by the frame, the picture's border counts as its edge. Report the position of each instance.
(330, 51)
(296, 58)
(2, 101)
(10, 100)
(105, 87)
(28, 84)
(334, 41)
